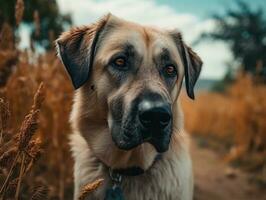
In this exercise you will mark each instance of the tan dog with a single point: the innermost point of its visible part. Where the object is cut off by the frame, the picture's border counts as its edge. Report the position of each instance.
(126, 119)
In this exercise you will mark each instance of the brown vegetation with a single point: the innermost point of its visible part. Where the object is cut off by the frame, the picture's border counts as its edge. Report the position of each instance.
(87, 189)
(235, 119)
(20, 74)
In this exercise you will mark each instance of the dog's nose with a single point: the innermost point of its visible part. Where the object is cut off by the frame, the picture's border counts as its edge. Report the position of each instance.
(154, 114)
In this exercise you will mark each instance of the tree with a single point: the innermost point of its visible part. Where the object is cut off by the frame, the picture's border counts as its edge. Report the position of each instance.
(46, 12)
(244, 29)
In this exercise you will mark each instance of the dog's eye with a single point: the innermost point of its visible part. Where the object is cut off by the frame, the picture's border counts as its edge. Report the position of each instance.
(170, 70)
(120, 62)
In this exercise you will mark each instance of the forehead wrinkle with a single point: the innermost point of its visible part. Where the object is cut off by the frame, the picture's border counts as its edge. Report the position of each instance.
(146, 36)
(165, 54)
(164, 44)
(117, 40)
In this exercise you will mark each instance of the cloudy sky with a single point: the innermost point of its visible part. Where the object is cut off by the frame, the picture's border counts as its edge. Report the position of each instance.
(190, 16)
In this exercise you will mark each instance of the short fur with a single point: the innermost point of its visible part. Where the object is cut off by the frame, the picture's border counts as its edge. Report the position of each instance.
(85, 52)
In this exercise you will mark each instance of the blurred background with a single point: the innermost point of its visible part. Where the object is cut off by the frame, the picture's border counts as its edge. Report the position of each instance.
(227, 121)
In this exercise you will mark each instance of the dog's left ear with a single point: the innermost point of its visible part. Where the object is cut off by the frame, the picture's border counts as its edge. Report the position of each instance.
(191, 61)
(76, 48)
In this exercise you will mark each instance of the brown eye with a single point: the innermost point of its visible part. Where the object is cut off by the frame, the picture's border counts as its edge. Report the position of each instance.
(120, 62)
(170, 70)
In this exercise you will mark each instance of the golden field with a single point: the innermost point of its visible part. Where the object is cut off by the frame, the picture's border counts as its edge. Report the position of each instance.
(235, 119)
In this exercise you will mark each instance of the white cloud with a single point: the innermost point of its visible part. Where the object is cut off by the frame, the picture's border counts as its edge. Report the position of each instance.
(149, 12)
(145, 12)
(214, 56)
(24, 32)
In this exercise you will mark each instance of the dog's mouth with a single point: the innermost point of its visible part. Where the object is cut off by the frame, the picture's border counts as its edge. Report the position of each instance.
(149, 120)
(133, 136)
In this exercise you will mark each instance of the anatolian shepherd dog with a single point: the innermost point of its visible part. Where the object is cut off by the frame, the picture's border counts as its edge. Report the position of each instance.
(126, 119)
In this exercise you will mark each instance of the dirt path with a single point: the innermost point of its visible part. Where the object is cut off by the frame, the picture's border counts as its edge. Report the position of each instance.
(214, 182)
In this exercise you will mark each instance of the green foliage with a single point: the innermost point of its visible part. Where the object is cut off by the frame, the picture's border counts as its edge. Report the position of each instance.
(244, 29)
(51, 21)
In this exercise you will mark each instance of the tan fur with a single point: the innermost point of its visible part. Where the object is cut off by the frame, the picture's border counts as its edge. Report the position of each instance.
(92, 146)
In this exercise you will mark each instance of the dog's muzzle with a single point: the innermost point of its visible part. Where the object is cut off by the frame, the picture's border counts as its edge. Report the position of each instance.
(155, 119)
(150, 120)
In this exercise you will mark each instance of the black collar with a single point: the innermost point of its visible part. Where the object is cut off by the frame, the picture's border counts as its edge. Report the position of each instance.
(130, 171)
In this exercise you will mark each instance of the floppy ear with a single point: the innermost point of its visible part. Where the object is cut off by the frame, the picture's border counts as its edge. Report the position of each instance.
(76, 49)
(192, 64)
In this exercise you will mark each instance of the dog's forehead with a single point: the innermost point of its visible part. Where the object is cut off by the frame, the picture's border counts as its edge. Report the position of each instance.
(143, 39)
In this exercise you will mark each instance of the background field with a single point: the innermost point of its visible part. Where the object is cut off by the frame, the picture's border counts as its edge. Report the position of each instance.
(227, 122)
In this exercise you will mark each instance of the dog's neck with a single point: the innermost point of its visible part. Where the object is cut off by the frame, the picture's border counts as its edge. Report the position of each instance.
(133, 171)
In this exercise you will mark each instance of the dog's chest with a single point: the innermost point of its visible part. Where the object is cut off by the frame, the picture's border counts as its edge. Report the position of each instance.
(163, 182)
(169, 179)
(151, 188)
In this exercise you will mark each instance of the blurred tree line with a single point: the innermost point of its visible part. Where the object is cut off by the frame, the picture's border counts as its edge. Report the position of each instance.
(43, 17)
(244, 29)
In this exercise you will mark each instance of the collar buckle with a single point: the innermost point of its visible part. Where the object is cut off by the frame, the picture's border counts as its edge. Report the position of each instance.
(115, 177)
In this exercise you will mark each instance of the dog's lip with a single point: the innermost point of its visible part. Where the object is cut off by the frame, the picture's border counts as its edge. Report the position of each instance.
(126, 143)
(127, 137)
(160, 148)
(128, 140)
(122, 145)
(161, 144)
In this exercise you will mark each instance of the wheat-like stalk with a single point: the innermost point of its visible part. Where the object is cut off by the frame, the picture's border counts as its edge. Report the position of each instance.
(26, 146)
(19, 11)
(87, 189)
(21, 172)
(40, 193)
(4, 116)
(29, 125)
(7, 157)
(6, 182)
(28, 128)
(36, 18)
(34, 152)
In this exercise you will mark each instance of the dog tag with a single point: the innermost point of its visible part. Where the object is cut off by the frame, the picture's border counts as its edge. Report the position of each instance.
(114, 193)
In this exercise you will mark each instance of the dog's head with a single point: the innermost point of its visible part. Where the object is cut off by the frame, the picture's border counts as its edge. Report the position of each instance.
(129, 77)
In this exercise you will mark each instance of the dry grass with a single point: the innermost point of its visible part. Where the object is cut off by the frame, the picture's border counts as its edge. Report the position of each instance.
(19, 11)
(20, 150)
(21, 72)
(236, 119)
(87, 189)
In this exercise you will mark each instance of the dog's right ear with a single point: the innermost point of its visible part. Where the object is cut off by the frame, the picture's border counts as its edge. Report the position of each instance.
(76, 49)
(191, 61)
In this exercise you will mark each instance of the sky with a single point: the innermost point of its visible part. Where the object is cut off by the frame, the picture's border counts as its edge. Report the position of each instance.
(191, 17)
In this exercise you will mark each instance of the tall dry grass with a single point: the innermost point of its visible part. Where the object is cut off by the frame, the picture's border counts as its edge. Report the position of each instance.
(54, 167)
(236, 119)
(53, 170)
(20, 150)
(21, 72)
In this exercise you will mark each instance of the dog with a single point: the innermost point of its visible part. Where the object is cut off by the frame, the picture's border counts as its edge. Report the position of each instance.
(126, 118)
